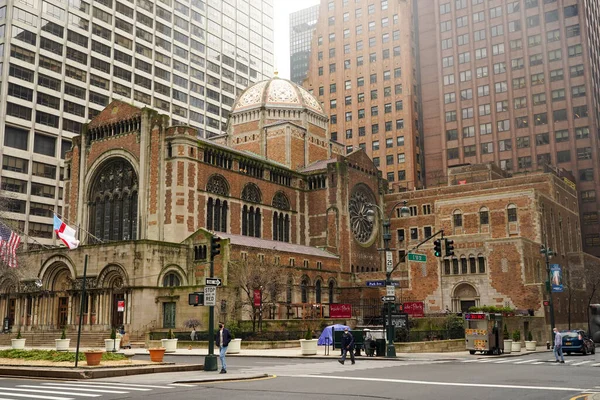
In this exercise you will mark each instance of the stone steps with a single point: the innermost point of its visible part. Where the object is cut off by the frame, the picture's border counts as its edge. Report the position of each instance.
(47, 338)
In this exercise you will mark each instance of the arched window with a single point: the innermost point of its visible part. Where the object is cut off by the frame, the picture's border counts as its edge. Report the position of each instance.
(511, 213)
(455, 266)
(171, 280)
(481, 262)
(288, 292)
(484, 216)
(331, 294)
(472, 264)
(304, 290)
(463, 265)
(251, 193)
(457, 219)
(113, 202)
(318, 292)
(251, 221)
(281, 220)
(217, 209)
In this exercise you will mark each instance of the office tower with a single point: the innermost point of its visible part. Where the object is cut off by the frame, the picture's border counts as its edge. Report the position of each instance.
(64, 62)
(514, 83)
(363, 71)
(302, 27)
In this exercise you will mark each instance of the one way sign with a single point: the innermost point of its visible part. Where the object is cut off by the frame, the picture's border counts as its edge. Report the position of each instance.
(213, 281)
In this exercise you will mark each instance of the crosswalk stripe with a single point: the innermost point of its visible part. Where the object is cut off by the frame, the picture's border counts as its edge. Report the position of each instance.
(507, 361)
(527, 361)
(34, 396)
(181, 384)
(470, 361)
(483, 361)
(581, 363)
(78, 385)
(48, 392)
(539, 362)
(595, 365)
(125, 385)
(76, 389)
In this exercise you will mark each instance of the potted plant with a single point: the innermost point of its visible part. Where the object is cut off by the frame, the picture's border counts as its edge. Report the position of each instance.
(516, 344)
(507, 341)
(235, 346)
(308, 345)
(157, 354)
(93, 356)
(63, 343)
(530, 344)
(114, 343)
(19, 342)
(170, 343)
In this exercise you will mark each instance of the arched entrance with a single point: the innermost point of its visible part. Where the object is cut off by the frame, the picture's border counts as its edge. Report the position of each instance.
(464, 296)
(114, 297)
(9, 287)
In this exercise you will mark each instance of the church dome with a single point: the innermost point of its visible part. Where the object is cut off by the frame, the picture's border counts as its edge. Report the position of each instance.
(276, 93)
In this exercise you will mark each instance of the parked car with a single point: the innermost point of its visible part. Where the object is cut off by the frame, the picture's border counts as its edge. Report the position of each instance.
(577, 341)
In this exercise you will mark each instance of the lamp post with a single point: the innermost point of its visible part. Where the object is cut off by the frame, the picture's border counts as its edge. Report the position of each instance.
(387, 236)
(548, 252)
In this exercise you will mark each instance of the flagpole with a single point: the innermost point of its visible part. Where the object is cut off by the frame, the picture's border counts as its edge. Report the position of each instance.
(85, 262)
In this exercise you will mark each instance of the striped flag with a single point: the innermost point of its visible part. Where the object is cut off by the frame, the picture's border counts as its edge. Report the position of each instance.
(9, 241)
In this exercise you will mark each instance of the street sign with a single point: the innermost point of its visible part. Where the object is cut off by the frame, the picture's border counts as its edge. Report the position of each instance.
(210, 295)
(390, 290)
(375, 283)
(417, 257)
(389, 261)
(388, 298)
(213, 281)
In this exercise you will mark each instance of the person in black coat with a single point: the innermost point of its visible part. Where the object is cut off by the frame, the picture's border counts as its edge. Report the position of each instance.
(347, 346)
(223, 339)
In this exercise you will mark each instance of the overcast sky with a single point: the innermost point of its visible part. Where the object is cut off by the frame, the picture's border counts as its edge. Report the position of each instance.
(282, 9)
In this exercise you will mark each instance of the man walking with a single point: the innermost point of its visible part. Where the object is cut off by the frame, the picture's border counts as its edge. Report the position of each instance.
(347, 346)
(558, 346)
(223, 339)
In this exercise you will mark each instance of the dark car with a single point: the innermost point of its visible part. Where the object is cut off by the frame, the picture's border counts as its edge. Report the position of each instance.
(576, 341)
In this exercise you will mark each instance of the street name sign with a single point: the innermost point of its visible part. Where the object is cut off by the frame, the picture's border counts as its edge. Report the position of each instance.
(210, 295)
(388, 298)
(375, 283)
(417, 257)
(213, 281)
(389, 261)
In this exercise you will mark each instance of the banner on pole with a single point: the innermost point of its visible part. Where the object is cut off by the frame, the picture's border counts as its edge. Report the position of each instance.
(556, 278)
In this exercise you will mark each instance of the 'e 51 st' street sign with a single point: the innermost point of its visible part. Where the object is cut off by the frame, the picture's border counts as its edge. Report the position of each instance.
(417, 257)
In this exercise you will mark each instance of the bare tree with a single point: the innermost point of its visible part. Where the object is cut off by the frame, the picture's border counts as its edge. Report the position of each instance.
(258, 273)
(592, 278)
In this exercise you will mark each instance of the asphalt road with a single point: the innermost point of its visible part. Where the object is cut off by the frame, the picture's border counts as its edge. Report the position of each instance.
(530, 376)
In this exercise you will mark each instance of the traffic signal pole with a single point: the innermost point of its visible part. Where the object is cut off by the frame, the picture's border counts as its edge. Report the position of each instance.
(210, 361)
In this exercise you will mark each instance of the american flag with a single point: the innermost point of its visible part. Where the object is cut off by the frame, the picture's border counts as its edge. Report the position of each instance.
(9, 241)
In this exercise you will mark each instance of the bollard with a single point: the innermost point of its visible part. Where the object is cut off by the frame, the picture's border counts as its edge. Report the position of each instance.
(547, 345)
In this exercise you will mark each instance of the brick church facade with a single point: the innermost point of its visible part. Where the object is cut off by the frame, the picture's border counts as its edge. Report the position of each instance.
(147, 198)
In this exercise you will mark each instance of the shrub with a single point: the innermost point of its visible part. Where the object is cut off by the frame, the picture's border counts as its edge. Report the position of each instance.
(516, 336)
(19, 334)
(170, 334)
(63, 334)
(529, 337)
(308, 334)
(113, 333)
(505, 333)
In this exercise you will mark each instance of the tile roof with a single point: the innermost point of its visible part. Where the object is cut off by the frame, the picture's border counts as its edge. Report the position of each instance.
(318, 165)
(249, 241)
(114, 112)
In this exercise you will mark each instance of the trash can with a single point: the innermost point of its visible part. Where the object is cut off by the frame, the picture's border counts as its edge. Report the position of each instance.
(380, 347)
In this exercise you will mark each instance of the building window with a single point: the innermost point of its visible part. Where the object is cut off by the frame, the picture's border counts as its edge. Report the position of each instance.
(457, 219)
(484, 216)
(217, 209)
(171, 279)
(511, 213)
(481, 263)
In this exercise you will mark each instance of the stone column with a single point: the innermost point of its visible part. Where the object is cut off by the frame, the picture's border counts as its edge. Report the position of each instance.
(129, 298)
(69, 309)
(89, 309)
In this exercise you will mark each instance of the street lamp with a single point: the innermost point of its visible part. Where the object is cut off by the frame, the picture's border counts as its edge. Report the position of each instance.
(387, 236)
(548, 252)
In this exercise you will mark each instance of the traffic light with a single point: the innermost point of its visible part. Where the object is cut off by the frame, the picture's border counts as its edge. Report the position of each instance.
(196, 299)
(449, 248)
(215, 246)
(437, 248)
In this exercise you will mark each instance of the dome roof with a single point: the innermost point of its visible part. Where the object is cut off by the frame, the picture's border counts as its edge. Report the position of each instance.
(276, 92)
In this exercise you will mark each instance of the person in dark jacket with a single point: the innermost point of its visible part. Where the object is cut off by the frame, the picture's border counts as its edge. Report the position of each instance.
(223, 339)
(347, 346)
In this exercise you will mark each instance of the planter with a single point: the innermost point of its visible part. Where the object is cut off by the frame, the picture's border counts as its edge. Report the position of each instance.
(309, 347)
(507, 346)
(170, 345)
(157, 354)
(530, 346)
(111, 344)
(234, 346)
(62, 344)
(93, 357)
(18, 344)
(516, 347)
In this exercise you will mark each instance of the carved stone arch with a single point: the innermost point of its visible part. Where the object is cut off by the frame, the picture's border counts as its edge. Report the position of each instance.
(9, 283)
(113, 276)
(218, 185)
(281, 201)
(251, 193)
(106, 157)
(52, 262)
(172, 268)
(464, 289)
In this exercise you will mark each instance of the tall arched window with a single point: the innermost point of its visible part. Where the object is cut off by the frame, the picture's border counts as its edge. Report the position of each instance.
(331, 297)
(511, 213)
(171, 280)
(484, 216)
(113, 201)
(281, 220)
(288, 291)
(217, 209)
(251, 216)
(481, 262)
(457, 219)
(472, 264)
(318, 292)
(304, 290)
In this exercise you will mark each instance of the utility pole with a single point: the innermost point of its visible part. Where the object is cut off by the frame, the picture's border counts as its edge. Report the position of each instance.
(547, 252)
(210, 361)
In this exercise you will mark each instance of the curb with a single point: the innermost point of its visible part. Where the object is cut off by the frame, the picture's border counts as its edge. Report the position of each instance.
(108, 372)
(225, 379)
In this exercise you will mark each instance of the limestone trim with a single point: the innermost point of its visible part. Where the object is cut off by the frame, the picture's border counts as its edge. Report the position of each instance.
(172, 268)
(113, 276)
(51, 263)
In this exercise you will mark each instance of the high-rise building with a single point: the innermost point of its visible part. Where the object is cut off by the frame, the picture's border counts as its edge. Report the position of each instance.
(363, 71)
(302, 27)
(515, 83)
(62, 63)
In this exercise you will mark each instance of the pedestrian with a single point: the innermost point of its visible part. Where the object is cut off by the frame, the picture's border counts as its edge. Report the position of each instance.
(558, 346)
(347, 346)
(223, 339)
(193, 334)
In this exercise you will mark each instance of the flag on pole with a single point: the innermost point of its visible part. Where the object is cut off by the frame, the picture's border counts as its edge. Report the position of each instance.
(65, 233)
(9, 241)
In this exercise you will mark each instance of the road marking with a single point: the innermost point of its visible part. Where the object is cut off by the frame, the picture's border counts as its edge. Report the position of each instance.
(539, 362)
(470, 361)
(483, 361)
(126, 385)
(595, 365)
(486, 385)
(48, 392)
(79, 385)
(527, 361)
(581, 363)
(33, 396)
(181, 384)
(99, 389)
(507, 361)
